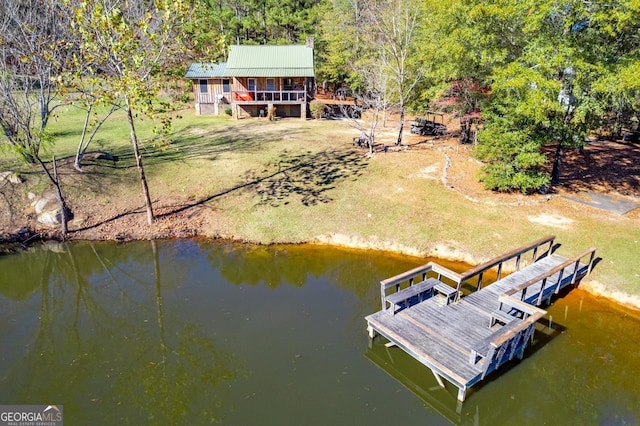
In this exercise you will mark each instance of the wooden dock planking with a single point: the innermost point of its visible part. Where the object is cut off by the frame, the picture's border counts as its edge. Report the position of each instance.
(453, 322)
(461, 342)
(464, 340)
(450, 363)
(530, 272)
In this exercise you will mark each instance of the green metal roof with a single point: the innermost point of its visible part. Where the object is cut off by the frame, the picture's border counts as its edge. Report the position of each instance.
(205, 70)
(270, 61)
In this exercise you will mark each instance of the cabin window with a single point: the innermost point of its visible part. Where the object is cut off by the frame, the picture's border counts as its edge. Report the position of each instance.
(204, 86)
(226, 86)
(288, 84)
(252, 84)
(271, 84)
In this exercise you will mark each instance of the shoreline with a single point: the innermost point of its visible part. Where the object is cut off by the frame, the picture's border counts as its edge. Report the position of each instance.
(442, 251)
(423, 202)
(13, 243)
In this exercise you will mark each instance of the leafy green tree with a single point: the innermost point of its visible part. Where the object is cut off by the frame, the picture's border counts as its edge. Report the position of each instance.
(341, 39)
(515, 128)
(132, 44)
(556, 90)
(292, 21)
(618, 88)
(260, 21)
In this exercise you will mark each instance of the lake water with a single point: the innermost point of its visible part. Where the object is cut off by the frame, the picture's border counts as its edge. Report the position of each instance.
(200, 332)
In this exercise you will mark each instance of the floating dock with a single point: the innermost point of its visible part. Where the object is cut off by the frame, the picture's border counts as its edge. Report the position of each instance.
(464, 338)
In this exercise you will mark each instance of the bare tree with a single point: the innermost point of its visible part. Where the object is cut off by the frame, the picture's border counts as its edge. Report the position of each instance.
(373, 102)
(393, 28)
(34, 48)
(377, 40)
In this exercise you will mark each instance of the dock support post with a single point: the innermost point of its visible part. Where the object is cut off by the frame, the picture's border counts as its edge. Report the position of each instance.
(462, 393)
(372, 335)
(372, 332)
(438, 378)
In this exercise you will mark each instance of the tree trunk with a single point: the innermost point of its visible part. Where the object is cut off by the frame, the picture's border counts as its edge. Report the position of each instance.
(136, 153)
(81, 149)
(372, 130)
(399, 141)
(557, 165)
(56, 183)
(84, 144)
(264, 22)
(63, 206)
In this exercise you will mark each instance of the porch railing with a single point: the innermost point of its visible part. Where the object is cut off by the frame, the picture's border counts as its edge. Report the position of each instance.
(211, 98)
(294, 96)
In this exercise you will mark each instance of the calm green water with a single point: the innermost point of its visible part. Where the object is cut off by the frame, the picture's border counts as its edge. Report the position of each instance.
(192, 332)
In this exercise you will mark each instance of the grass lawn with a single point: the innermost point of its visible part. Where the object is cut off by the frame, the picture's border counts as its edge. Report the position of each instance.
(300, 181)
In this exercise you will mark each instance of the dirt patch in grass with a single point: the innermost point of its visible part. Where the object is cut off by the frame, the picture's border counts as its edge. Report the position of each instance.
(552, 220)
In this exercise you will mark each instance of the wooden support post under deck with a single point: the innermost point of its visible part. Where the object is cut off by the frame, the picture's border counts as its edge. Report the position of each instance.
(438, 378)
(462, 393)
(372, 332)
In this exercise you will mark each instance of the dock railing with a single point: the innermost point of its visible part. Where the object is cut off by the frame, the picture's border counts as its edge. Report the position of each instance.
(543, 279)
(497, 350)
(414, 276)
(505, 345)
(431, 269)
(499, 261)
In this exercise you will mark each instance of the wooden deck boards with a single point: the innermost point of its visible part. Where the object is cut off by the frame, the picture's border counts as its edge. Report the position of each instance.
(531, 271)
(447, 338)
(452, 322)
(424, 346)
(461, 339)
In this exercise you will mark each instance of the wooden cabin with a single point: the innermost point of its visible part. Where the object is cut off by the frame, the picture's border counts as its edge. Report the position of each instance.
(255, 78)
(211, 92)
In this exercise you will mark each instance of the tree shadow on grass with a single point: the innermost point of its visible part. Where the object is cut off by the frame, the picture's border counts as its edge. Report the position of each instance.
(306, 177)
(189, 143)
(303, 177)
(194, 142)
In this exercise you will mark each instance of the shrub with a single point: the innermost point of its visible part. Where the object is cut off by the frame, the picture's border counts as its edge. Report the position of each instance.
(505, 177)
(316, 108)
(228, 111)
